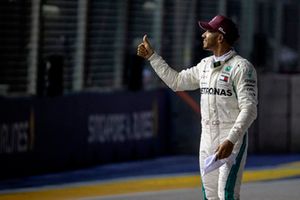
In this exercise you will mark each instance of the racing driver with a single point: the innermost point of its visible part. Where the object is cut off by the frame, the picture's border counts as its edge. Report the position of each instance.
(228, 87)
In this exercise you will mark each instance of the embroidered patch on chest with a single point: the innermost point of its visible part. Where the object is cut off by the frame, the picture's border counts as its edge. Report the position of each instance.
(228, 68)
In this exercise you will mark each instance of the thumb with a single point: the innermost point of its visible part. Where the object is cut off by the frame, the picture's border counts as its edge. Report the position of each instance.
(146, 42)
(216, 151)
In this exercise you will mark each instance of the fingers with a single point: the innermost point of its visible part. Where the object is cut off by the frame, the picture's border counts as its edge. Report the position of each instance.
(222, 153)
(142, 51)
(218, 152)
(219, 156)
(224, 150)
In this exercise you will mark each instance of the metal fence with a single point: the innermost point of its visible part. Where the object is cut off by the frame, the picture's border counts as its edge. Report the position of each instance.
(95, 41)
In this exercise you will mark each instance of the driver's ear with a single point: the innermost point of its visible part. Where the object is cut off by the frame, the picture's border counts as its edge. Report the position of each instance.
(221, 38)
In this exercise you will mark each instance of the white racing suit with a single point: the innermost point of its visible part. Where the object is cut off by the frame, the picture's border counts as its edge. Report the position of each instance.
(228, 108)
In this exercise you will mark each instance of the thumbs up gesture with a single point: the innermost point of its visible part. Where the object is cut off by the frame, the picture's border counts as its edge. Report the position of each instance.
(144, 49)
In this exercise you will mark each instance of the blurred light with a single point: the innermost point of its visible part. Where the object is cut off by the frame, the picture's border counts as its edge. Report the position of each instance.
(51, 10)
(149, 6)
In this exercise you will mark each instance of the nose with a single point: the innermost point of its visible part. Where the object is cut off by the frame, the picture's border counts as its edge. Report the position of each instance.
(204, 34)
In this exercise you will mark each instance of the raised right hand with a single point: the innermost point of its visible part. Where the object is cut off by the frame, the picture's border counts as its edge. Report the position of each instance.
(145, 49)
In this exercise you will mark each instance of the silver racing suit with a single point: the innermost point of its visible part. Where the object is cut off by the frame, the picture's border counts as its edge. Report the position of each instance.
(228, 108)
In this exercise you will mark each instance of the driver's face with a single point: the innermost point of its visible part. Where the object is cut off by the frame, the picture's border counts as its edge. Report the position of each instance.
(210, 40)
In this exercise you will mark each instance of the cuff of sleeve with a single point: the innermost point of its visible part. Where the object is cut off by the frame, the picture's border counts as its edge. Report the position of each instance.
(153, 56)
(233, 136)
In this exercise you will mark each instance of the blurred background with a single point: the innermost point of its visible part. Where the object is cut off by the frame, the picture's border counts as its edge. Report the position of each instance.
(73, 93)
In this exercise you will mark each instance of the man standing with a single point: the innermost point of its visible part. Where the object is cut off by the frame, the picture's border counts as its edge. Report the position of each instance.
(228, 87)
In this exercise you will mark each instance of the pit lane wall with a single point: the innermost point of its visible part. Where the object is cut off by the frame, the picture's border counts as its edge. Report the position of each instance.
(47, 134)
